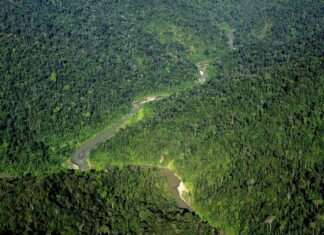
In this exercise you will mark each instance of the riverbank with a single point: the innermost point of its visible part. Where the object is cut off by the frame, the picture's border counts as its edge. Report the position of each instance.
(177, 188)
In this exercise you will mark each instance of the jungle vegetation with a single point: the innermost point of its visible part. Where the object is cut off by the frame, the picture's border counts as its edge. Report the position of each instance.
(248, 143)
(128, 201)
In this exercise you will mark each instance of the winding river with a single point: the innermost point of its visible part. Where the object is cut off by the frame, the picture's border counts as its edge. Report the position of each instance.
(79, 158)
(175, 184)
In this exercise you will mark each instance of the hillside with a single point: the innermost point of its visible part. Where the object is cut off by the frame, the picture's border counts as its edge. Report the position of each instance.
(70, 68)
(248, 142)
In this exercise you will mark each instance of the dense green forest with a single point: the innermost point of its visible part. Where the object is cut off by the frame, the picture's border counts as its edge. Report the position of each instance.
(128, 201)
(69, 68)
(248, 143)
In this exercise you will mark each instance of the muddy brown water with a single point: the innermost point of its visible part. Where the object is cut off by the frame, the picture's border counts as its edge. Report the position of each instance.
(80, 156)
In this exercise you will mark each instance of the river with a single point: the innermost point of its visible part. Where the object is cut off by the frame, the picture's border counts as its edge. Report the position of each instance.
(175, 184)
